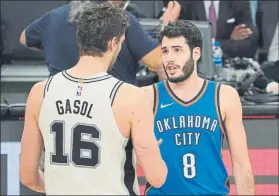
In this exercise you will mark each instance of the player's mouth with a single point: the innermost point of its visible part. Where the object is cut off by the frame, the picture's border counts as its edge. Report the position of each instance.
(172, 68)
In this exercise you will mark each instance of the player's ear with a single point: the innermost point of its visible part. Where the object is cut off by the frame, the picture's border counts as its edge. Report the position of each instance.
(196, 54)
(112, 44)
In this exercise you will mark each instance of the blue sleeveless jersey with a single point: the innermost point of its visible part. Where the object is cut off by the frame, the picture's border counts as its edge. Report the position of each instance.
(192, 134)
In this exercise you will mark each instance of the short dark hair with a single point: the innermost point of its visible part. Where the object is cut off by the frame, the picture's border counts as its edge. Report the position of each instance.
(189, 31)
(97, 24)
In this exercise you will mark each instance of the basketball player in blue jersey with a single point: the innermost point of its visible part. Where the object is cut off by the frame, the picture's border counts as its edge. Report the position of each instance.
(192, 116)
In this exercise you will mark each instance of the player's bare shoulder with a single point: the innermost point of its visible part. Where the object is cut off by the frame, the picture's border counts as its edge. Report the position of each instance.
(148, 90)
(228, 92)
(149, 93)
(130, 95)
(35, 98)
(38, 89)
(131, 98)
(229, 97)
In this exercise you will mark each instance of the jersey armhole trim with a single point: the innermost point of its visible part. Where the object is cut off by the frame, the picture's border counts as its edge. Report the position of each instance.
(147, 188)
(156, 99)
(47, 85)
(222, 125)
(114, 91)
(218, 108)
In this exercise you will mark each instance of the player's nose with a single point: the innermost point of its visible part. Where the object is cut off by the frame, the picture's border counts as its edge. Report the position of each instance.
(170, 62)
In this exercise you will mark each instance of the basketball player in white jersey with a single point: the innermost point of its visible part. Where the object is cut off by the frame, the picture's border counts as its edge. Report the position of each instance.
(83, 118)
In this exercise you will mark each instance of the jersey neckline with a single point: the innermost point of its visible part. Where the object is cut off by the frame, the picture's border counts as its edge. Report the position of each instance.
(190, 102)
(96, 77)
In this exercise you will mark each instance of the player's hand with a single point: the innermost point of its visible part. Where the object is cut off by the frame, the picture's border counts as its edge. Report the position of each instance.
(241, 32)
(172, 12)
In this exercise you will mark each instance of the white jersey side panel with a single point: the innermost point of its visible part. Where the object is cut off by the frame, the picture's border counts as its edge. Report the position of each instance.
(85, 152)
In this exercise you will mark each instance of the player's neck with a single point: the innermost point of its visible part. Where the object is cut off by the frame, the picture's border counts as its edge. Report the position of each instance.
(192, 86)
(88, 66)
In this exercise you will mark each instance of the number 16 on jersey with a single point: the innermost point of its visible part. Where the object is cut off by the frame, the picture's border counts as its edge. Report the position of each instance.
(78, 145)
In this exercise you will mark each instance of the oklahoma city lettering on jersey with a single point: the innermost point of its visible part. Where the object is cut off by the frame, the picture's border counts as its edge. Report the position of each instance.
(184, 122)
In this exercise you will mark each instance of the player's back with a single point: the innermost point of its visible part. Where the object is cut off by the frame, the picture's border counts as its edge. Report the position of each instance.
(192, 142)
(85, 152)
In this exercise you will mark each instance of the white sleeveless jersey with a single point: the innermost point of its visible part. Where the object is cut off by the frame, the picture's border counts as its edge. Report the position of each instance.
(85, 152)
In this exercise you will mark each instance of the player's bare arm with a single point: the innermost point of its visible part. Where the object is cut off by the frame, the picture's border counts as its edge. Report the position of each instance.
(129, 101)
(242, 170)
(144, 140)
(143, 137)
(149, 94)
(32, 141)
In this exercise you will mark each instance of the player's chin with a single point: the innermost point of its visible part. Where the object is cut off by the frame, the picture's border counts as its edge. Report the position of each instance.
(174, 75)
(173, 78)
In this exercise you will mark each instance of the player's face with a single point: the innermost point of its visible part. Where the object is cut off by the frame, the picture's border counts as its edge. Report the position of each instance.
(177, 59)
(116, 50)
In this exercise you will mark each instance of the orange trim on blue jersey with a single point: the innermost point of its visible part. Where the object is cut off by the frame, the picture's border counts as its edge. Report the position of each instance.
(156, 101)
(226, 183)
(145, 192)
(192, 101)
(221, 122)
(219, 115)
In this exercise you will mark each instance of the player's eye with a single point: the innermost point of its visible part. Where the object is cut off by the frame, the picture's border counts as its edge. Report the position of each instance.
(165, 52)
(177, 50)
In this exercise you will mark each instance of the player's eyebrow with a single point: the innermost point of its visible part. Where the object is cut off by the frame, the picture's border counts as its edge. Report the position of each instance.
(175, 46)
